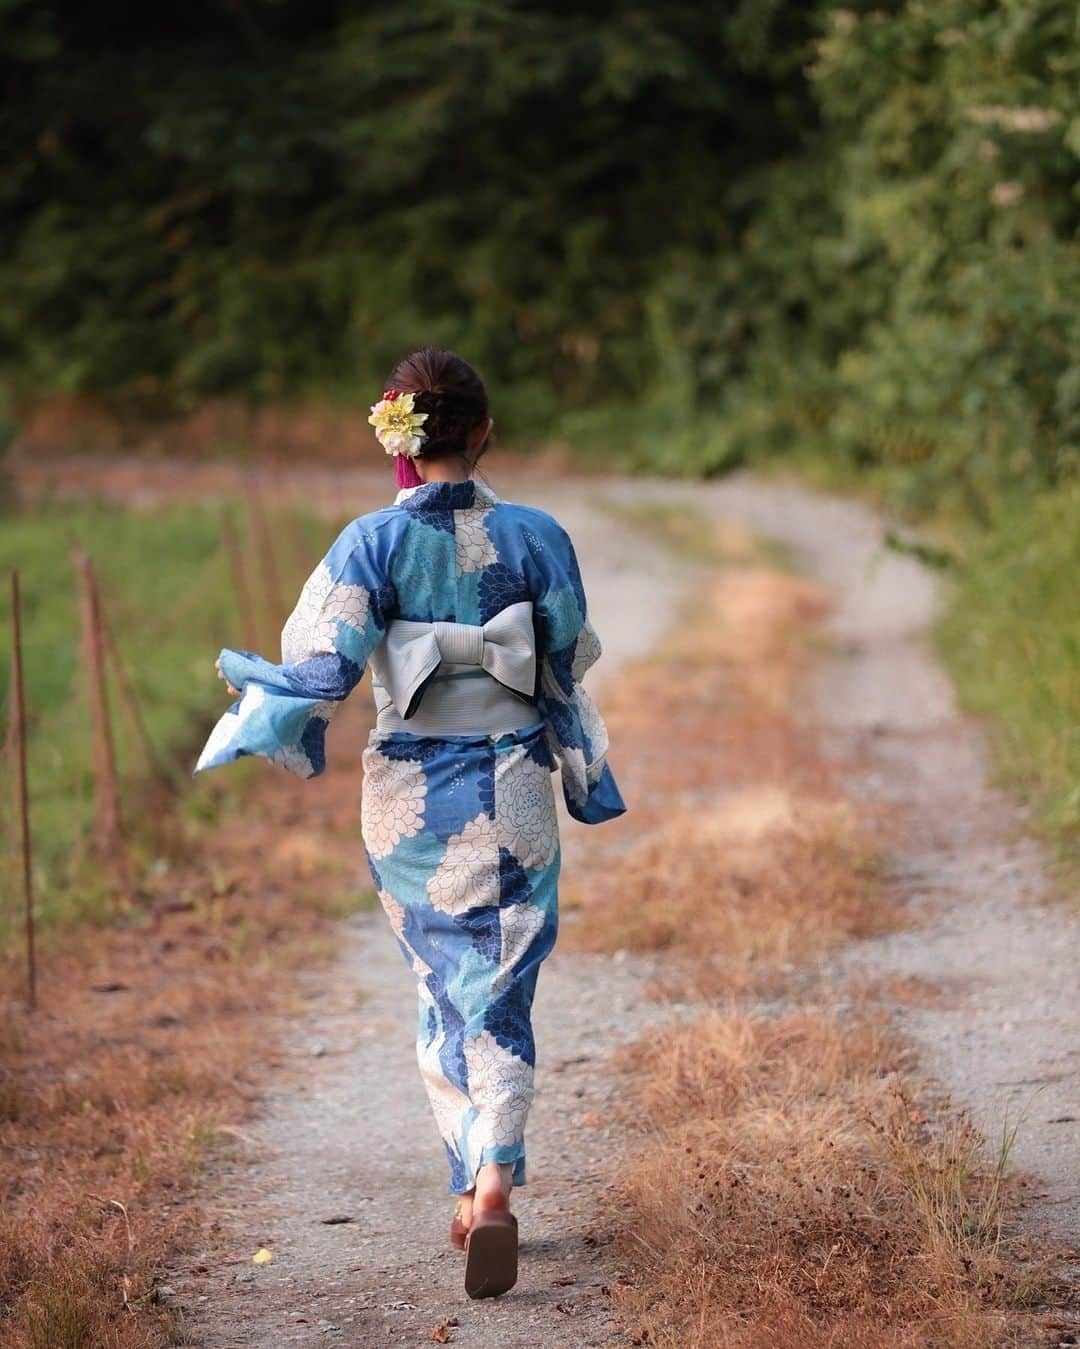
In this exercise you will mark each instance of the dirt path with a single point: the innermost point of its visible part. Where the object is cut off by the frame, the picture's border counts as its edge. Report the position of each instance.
(1004, 1040)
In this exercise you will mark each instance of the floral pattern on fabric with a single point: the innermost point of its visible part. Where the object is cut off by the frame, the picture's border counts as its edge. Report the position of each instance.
(393, 803)
(475, 911)
(525, 820)
(464, 878)
(473, 545)
(323, 604)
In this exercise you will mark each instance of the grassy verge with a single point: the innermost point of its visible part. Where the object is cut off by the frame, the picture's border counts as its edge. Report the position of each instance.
(170, 600)
(796, 1190)
(794, 1183)
(1011, 637)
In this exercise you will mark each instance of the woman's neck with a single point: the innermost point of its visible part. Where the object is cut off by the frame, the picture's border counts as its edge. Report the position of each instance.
(443, 470)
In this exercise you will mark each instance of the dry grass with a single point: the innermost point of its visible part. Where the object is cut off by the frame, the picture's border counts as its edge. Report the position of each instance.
(111, 1100)
(790, 1189)
(740, 890)
(792, 1192)
(740, 857)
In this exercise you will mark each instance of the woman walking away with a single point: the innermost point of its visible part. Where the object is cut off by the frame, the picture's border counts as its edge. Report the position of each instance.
(471, 613)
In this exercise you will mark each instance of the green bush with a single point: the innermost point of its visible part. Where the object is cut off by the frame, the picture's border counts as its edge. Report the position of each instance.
(1012, 636)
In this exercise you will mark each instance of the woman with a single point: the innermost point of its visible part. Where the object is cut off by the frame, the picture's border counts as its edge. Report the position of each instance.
(471, 613)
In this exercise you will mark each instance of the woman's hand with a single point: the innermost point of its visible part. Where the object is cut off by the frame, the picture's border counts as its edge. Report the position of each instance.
(217, 667)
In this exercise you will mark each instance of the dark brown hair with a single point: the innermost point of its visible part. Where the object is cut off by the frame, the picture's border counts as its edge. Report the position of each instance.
(452, 394)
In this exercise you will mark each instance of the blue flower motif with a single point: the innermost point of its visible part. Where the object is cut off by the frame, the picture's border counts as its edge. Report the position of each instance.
(561, 664)
(539, 751)
(482, 925)
(313, 743)
(486, 788)
(508, 1020)
(440, 519)
(499, 588)
(434, 497)
(514, 885)
(401, 745)
(382, 602)
(563, 721)
(574, 573)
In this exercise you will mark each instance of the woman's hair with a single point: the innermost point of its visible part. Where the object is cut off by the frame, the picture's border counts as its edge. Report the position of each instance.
(452, 394)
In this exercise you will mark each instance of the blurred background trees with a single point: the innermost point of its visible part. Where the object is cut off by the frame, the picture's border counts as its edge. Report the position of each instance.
(681, 236)
(690, 234)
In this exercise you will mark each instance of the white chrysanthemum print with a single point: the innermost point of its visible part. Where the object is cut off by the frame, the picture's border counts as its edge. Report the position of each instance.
(449, 1104)
(519, 926)
(224, 732)
(525, 818)
(392, 804)
(468, 876)
(587, 651)
(592, 724)
(312, 626)
(500, 1087)
(294, 759)
(395, 912)
(573, 766)
(472, 541)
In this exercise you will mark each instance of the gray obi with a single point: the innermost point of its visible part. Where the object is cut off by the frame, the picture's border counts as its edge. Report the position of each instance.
(457, 678)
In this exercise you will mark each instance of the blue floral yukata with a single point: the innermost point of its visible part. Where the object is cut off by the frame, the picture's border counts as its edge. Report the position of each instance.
(460, 830)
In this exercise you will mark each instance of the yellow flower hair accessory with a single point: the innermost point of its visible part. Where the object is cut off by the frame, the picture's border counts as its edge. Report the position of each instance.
(397, 426)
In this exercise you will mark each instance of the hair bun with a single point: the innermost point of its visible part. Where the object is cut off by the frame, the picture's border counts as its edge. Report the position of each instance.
(452, 394)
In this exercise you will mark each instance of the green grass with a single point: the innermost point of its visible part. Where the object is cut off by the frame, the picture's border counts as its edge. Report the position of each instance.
(1011, 637)
(168, 593)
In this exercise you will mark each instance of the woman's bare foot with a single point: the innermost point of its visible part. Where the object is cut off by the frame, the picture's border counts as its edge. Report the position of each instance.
(461, 1220)
(494, 1181)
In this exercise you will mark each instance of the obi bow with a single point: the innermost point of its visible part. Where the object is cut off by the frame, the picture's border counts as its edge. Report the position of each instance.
(410, 654)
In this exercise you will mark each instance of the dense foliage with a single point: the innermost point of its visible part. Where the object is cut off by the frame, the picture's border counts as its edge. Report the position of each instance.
(1012, 638)
(693, 233)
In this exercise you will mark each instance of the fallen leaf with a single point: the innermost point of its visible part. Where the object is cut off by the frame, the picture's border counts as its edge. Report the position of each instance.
(442, 1333)
(338, 1218)
(262, 1256)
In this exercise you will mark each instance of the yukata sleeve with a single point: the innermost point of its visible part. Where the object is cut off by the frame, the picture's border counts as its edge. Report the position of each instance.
(576, 734)
(283, 710)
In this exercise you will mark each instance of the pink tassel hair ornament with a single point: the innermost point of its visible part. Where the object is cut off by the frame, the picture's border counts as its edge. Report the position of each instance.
(405, 472)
